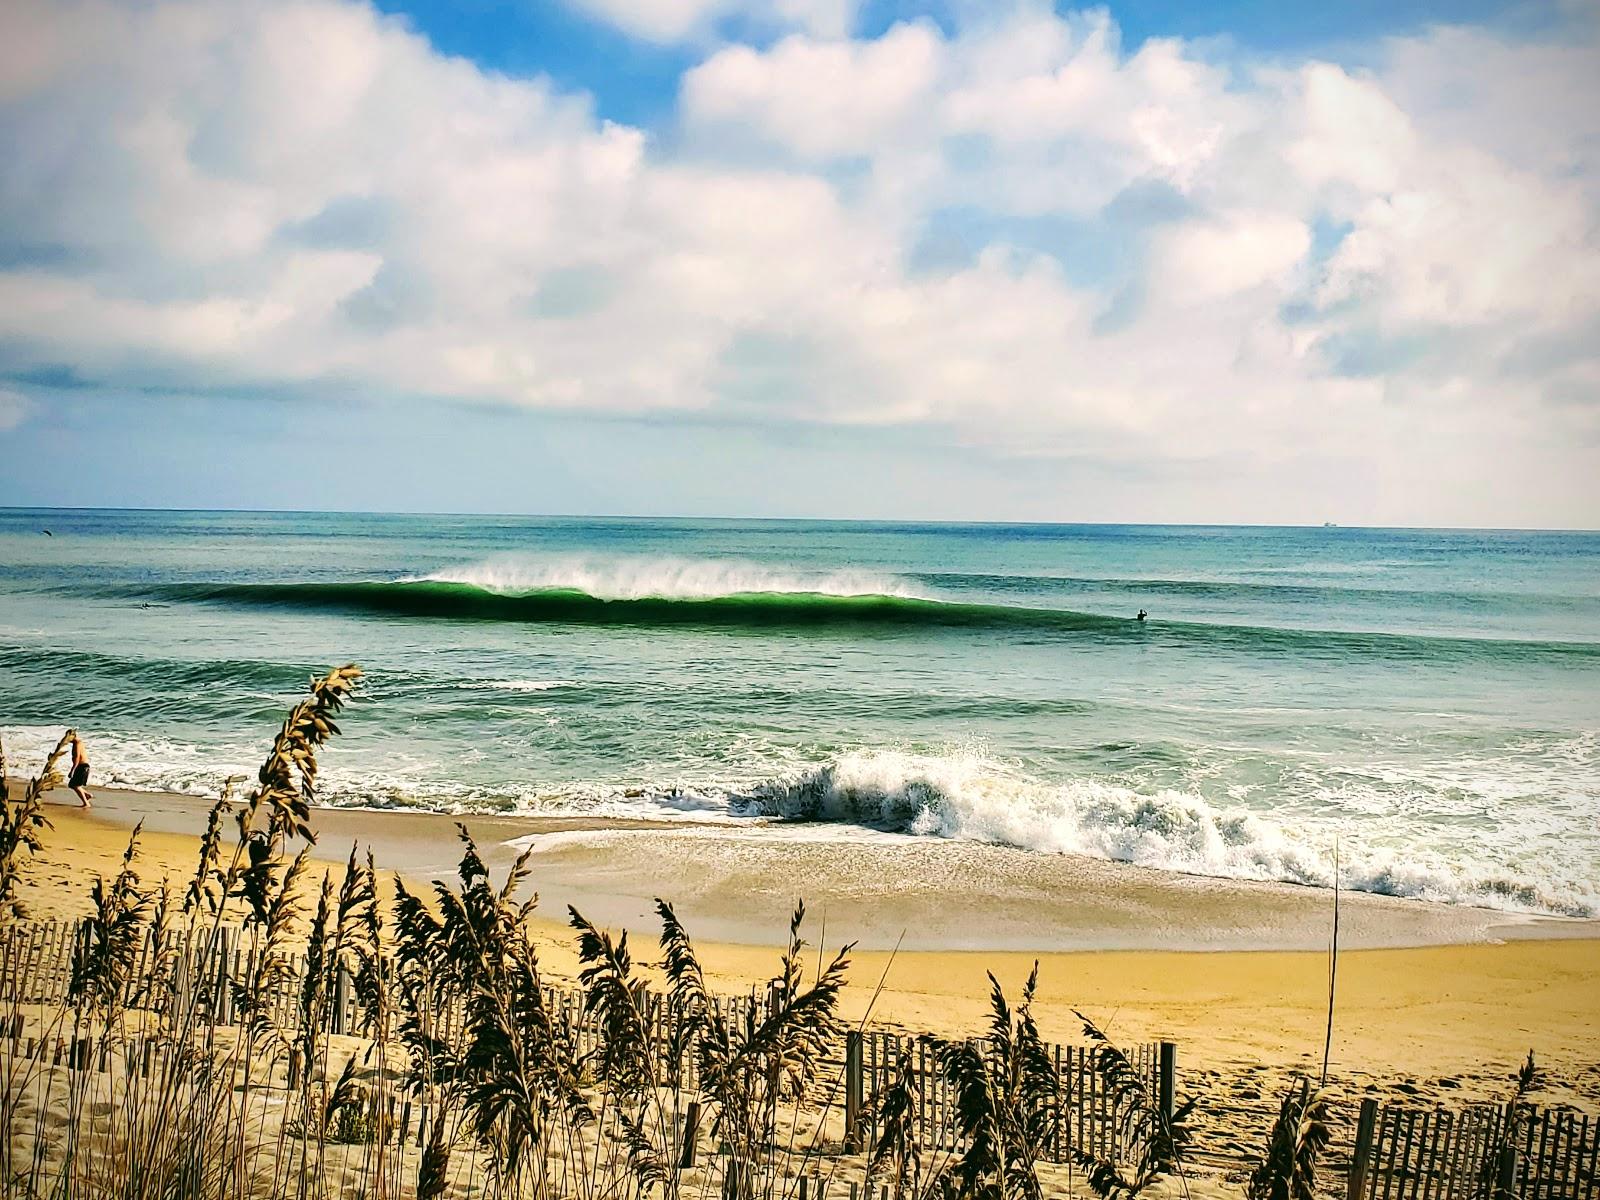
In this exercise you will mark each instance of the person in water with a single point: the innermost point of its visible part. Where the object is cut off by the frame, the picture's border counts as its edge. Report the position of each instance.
(79, 779)
(1142, 615)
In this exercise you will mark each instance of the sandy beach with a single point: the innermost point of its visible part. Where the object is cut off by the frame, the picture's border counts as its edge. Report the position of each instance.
(1433, 1002)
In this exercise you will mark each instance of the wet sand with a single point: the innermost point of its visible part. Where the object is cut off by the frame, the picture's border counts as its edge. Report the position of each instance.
(732, 885)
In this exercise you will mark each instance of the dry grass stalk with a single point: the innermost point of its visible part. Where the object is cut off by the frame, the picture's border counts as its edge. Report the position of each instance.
(1288, 1168)
(22, 825)
(1008, 1103)
(176, 1121)
(1140, 1121)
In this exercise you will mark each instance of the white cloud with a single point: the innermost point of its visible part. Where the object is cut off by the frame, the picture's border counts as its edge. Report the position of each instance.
(1200, 261)
(686, 20)
(1017, 237)
(15, 408)
(819, 98)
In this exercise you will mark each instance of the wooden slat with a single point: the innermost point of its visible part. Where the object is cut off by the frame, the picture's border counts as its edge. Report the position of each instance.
(1437, 1179)
(1464, 1178)
(1592, 1167)
(1541, 1167)
(1479, 1132)
(1570, 1181)
(1550, 1149)
(1589, 1170)
(1569, 1170)
(1571, 1176)
(1562, 1152)
(1402, 1171)
(1389, 1142)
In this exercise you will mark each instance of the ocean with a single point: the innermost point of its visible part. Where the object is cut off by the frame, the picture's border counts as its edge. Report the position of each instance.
(1428, 699)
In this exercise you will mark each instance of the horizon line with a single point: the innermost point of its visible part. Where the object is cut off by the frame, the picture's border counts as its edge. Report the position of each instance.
(548, 516)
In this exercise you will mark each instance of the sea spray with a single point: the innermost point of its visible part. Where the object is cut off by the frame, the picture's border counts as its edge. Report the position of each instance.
(637, 578)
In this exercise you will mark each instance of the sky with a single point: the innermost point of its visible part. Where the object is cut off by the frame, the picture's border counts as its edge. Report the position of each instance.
(1224, 262)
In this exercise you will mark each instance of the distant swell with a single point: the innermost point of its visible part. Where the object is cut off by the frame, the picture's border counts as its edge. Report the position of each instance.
(464, 601)
(1256, 591)
(432, 598)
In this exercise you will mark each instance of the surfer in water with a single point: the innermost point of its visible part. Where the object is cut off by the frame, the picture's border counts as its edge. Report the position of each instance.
(79, 778)
(1142, 615)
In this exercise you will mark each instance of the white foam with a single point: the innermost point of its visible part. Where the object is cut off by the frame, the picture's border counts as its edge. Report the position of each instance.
(516, 685)
(143, 763)
(633, 578)
(964, 793)
(969, 796)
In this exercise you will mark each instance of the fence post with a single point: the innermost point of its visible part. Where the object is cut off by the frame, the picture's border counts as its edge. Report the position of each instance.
(82, 944)
(1169, 1081)
(1167, 1098)
(853, 1091)
(1361, 1156)
(341, 998)
(738, 1181)
(222, 1001)
(1505, 1167)
(1505, 1176)
(691, 1130)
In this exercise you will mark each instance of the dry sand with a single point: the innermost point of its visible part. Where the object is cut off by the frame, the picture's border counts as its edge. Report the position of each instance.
(1423, 1022)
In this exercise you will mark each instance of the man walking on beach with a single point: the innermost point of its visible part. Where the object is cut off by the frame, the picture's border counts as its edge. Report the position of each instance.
(79, 778)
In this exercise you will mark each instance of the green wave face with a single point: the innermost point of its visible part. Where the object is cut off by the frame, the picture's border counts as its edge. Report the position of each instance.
(465, 601)
(814, 610)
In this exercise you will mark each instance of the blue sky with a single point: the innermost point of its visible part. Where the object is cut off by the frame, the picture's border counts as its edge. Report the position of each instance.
(634, 79)
(1158, 261)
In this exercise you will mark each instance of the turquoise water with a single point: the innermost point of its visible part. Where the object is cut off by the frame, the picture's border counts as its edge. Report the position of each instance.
(1430, 698)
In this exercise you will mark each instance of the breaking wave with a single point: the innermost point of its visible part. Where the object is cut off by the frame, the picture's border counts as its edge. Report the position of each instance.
(457, 599)
(960, 795)
(969, 797)
(641, 578)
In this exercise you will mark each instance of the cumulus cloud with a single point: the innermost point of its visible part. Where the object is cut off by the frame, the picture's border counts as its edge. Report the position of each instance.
(14, 408)
(687, 20)
(1018, 236)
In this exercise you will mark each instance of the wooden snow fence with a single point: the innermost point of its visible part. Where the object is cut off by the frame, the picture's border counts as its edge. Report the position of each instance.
(1483, 1152)
(36, 958)
(1088, 1119)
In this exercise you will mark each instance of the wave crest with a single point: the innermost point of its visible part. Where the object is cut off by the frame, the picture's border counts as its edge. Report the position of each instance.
(663, 579)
